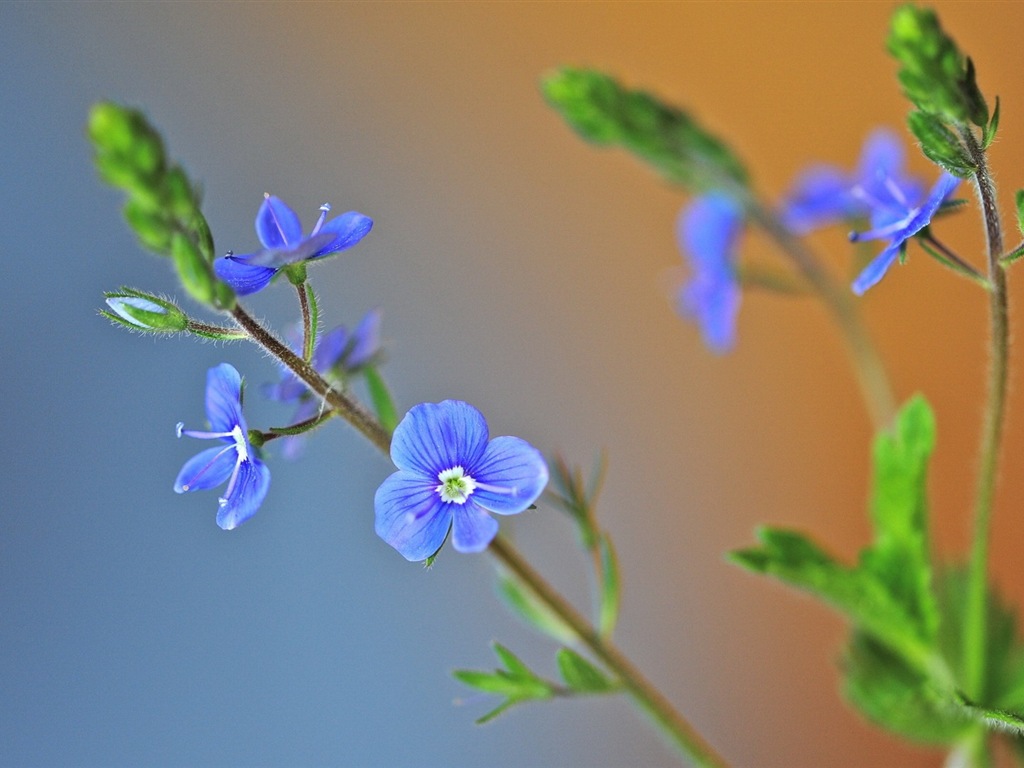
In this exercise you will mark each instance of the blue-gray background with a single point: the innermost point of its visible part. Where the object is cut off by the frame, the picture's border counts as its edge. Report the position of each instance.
(517, 269)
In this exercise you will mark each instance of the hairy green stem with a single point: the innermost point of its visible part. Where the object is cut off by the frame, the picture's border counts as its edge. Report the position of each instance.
(871, 374)
(347, 408)
(975, 630)
(307, 324)
(647, 697)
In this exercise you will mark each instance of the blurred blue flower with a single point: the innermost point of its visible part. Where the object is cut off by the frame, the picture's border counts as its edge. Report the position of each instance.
(825, 194)
(707, 233)
(339, 354)
(897, 221)
(280, 232)
(450, 476)
(236, 463)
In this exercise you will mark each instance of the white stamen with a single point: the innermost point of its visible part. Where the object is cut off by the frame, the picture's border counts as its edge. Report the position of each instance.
(456, 486)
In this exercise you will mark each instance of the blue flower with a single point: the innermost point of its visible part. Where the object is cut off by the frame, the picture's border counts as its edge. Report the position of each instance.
(450, 476)
(897, 222)
(707, 233)
(338, 354)
(280, 232)
(825, 194)
(235, 462)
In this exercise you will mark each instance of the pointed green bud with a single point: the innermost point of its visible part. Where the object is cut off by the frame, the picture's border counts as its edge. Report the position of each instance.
(145, 312)
(129, 153)
(150, 226)
(196, 274)
(604, 112)
(934, 74)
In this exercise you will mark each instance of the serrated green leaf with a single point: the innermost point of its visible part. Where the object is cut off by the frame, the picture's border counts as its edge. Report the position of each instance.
(610, 587)
(380, 396)
(941, 145)
(892, 695)
(522, 603)
(604, 112)
(899, 557)
(580, 675)
(794, 559)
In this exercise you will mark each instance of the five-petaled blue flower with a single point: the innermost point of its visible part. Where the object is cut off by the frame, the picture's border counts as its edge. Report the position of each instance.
(897, 222)
(236, 463)
(450, 476)
(279, 230)
(707, 233)
(339, 354)
(825, 194)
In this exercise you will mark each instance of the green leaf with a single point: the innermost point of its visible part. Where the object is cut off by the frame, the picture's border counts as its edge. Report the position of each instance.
(890, 694)
(580, 675)
(991, 128)
(899, 557)
(934, 74)
(604, 112)
(522, 603)
(1019, 200)
(380, 396)
(516, 682)
(610, 587)
(794, 559)
(941, 145)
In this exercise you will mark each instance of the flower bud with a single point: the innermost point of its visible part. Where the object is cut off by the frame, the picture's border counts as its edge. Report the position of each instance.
(145, 312)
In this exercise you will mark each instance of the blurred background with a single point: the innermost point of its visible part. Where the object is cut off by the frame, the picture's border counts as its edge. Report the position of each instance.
(518, 269)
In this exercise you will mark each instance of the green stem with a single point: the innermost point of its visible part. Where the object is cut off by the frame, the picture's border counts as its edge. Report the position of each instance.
(307, 325)
(347, 408)
(975, 630)
(646, 696)
(871, 375)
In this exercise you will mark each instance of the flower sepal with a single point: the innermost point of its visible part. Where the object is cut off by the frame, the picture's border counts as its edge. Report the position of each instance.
(145, 312)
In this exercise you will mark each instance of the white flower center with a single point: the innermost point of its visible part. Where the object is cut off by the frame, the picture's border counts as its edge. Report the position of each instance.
(240, 445)
(456, 486)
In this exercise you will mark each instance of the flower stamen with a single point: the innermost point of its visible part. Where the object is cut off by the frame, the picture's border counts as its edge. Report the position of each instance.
(456, 486)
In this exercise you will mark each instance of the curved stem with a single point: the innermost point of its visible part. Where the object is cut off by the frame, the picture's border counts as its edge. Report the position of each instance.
(646, 696)
(307, 322)
(346, 407)
(871, 375)
(975, 639)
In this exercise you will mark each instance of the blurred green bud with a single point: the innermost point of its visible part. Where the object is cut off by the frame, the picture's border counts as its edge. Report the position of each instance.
(604, 112)
(126, 145)
(145, 312)
(194, 272)
(151, 227)
(933, 72)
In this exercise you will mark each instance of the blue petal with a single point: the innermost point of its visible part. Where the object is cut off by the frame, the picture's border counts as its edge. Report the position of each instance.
(287, 390)
(714, 304)
(882, 156)
(345, 230)
(243, 277)
(473, 528)
(277, 225)
(250, 488)
(410, 516)
(434, 437)
(330, 348)
(224, 398)
(516, 471)
(207, 469)
(707, 231)
(820, 196)
(942, 189)
(366, 340)
(300, 251)
(876, 270)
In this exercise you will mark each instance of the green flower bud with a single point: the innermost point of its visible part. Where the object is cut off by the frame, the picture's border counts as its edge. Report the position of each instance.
(145, 312)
